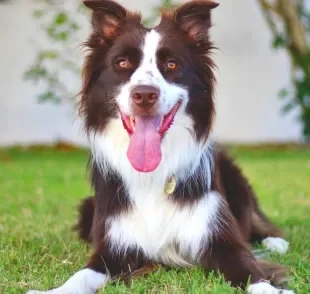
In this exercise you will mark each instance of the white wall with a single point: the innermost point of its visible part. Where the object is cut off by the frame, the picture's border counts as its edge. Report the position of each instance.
(250, 76)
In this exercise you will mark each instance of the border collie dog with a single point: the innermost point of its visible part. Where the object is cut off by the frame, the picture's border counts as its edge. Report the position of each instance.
(165, 195)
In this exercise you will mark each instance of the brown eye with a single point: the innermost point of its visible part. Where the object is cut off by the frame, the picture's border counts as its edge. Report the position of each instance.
(123, 63)
(172, 64)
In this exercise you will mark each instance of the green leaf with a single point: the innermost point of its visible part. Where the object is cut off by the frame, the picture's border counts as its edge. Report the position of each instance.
(168, 4)
(279, 41)
(51, 31)
(283, 93)
(302, 88)
(63, 36)
(48, 55)
(49, 96)
(35, 73)
(61, 18)
(288, 107)
(57, 35)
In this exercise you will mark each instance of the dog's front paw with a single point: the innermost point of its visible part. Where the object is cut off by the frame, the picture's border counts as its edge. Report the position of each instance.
(55, 291)
(276, 244)
(266, 288)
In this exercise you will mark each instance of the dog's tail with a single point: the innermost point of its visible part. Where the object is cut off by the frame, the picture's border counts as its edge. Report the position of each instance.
(85, 219)
(276, 274)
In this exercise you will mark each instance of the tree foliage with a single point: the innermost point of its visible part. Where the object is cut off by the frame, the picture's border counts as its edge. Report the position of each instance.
(61, 23)
(57, 66)
(289, 22)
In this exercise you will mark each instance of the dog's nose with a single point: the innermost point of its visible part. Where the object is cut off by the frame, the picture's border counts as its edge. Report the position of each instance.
(145, 96)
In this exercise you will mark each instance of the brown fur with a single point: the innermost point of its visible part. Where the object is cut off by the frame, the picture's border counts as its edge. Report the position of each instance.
(229, 249)
(275, 273)
(85, 221)
(184, 32)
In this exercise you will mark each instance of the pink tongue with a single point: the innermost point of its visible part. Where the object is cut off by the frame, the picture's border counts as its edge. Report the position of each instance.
(144, 152)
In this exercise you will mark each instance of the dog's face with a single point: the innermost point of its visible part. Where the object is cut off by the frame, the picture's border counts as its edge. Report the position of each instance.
(149, 80)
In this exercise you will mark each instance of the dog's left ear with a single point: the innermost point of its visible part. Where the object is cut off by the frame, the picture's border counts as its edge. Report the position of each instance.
(194, 19)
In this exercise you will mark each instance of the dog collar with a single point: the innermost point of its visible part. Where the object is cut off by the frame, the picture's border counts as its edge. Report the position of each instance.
(170, 185)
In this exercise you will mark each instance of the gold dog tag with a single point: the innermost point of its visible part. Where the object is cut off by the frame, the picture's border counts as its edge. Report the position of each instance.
(170, 185)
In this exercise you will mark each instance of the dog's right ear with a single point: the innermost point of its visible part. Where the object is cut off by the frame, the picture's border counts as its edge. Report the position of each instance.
(108, 17)
(194, 19)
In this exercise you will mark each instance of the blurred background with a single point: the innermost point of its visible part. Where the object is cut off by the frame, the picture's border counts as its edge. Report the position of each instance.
(262, 99)
(263, 93)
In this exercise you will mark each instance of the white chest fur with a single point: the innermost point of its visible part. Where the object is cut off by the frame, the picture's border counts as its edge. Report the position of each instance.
(163, 230)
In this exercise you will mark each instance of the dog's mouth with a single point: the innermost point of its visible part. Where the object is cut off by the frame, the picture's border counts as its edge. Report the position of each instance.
(146, 133)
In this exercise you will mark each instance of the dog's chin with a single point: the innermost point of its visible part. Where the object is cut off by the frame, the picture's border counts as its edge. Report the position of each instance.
(146, 133)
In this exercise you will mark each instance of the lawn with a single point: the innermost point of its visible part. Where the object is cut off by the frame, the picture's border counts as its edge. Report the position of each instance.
(39, 191)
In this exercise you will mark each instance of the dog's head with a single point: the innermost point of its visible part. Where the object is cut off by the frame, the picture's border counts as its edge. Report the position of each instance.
(156, 83)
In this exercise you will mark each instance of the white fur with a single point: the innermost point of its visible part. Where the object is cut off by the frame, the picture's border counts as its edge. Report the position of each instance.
(181, 154)
(164, 231)
(156, 224)
(149, 74)
(266, 288)
(276, 244)
(85, 281)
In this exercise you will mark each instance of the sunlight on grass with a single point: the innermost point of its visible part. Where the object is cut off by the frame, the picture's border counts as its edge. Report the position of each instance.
(39, 191)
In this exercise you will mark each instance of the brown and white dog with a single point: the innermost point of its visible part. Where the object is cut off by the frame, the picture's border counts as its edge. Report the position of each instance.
(164, 193)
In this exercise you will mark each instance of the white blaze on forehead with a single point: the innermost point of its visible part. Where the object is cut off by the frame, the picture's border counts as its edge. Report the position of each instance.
(151, 43)
(148, 73)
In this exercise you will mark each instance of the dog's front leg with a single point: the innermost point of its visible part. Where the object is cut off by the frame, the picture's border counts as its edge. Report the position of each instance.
(103, 266)
(85, 281)
(236, 264)
(230, 255)
(239, 266)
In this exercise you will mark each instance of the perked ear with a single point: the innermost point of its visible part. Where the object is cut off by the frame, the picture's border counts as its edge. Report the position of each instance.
(194, 19)
(108, 17)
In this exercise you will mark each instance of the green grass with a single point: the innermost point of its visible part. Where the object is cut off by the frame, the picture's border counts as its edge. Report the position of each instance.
(39, 191)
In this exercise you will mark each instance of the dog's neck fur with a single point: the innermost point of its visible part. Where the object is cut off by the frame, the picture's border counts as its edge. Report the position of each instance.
(183, 158)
